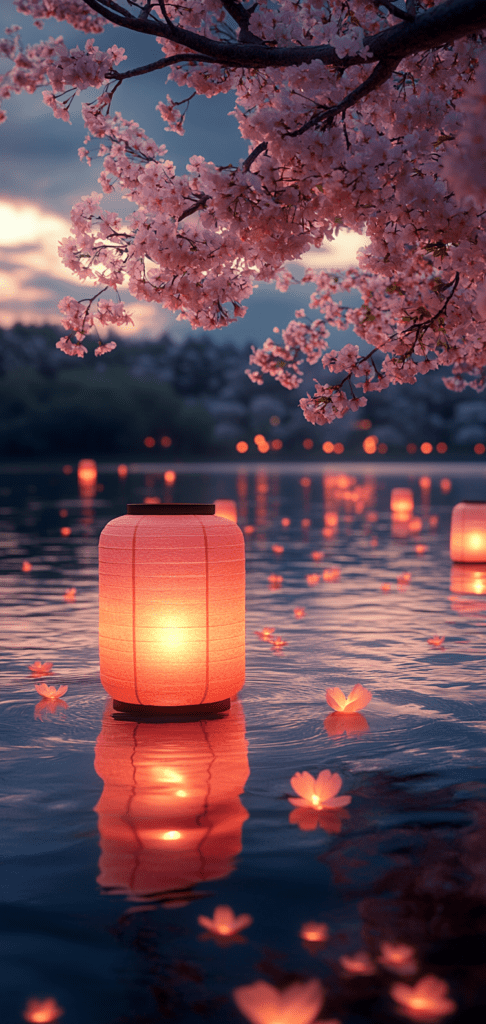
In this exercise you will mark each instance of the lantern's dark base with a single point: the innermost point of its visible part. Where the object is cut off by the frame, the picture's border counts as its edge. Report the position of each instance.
(157, 711)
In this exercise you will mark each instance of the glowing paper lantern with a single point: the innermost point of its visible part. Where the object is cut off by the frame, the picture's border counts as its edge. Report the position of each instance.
(468, 532)
(402, 501)
(172, 607)
(226, 508)
(170, 814)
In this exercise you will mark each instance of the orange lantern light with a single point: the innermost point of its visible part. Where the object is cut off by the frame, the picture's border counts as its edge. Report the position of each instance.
(172, 608)
(402, 501)
(87, 477)
(170, 814)
(226, 508)
(468, 579)
(468, 532)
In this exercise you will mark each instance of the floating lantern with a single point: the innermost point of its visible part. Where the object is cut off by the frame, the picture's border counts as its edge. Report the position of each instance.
(172, 608)
(468, 532)
(226, 508)
(402, 502)
(170, 814)
(87, 477)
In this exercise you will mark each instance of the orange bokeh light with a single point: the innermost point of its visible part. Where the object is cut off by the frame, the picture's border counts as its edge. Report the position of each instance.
(441, 447)
(305, 523)
(338, 448)
(305, 481)
(426, 447)
(382, 448)
(479, 449)
(170, 477)
(165, 441)
(26, 566)
(276, 445)
(370, 444)
(122, 471)
(328, 447)
(149, 442)
(42, 1011)
(63, 512)
(65, 531)
(445, 485)
(314, 931)
(259, 439)
(402, 501)
(278, 549)
(411, 448)
(241, 447)
(285, 521)
(307, 443)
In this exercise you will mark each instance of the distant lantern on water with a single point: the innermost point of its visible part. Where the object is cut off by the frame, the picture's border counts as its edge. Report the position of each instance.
(172, 608)
(468, 532)
(87, 477)
(402, 502)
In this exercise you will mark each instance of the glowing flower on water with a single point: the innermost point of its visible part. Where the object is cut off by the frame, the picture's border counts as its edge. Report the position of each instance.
(40, 668)
(358, 698)
(338, 723)
(320, 793)
(51, 692)
(70, 595)
(278, 549)
(26, 566)
(427, 1001)
(262, 1003)
(225, 922)
(404, 579)
(312, 579)
(436, 641)
(331, 575)
(358, 964)
(317, 556)
(314, 931)
(386, 586)
(398, 957)
(278, 642)
(265, 633)
(42, 1011)
(299, 613)
(275, 581)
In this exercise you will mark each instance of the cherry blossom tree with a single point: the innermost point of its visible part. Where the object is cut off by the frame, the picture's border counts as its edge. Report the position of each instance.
(367, 115)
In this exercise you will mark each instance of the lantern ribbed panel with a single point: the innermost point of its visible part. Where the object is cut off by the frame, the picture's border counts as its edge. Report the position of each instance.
(172, 609)
(468, 532)
(163, 780)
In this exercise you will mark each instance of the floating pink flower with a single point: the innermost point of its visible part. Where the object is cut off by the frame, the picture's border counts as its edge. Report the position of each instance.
(275, 581)
(425, 1002)
(436, 641)
(358, 964)
(70, 595)
(265, 633)
(40, 668)
(299, 613)
(262, 1003)
(312, 579)
(225, 922)
(277, 642)
(398, 957)
(338, 723)
(358, 698)
(50, 692)
(320, 793)
(26, 566)
(331, 575)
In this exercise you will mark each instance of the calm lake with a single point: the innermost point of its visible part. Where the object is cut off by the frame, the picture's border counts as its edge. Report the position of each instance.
(105, 869)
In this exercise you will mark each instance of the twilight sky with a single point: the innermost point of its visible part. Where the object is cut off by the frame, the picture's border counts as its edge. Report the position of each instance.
(41, 177)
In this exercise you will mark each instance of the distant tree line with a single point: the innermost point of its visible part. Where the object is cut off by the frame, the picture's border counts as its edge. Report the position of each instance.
(196, 393)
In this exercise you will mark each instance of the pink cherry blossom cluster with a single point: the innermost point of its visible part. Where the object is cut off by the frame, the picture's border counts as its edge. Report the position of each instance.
(401, 163)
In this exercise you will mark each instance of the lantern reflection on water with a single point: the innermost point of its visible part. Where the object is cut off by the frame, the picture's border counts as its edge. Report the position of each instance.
(170, 814)
(87, 477)
(172, 607)
(468, 579)
(468, 532)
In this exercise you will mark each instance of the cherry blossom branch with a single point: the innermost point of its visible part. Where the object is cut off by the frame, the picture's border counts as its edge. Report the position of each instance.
(261, 148)
(159, 65)
(380, 74)
(436, 27)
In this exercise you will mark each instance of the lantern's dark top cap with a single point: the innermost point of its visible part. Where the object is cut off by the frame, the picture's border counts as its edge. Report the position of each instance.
(170, 510)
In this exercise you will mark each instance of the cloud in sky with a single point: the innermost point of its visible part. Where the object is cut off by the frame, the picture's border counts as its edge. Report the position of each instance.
(42, 178)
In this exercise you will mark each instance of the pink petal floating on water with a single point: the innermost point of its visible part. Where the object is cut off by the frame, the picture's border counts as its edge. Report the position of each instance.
(50, 692)
(262, 1003)
(318, 793)
(358, 698)
(436, 641)
(225, 922)
(40, 668)
(427, 1001)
